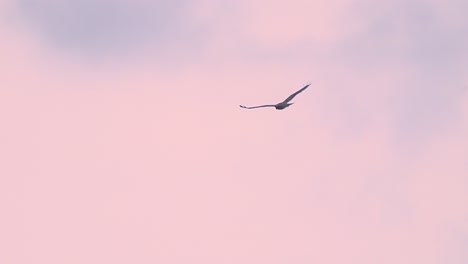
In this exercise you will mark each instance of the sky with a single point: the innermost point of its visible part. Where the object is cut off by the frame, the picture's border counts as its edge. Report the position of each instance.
(122, 139)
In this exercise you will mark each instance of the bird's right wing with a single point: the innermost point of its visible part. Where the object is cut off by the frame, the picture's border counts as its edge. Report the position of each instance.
(296, 93)
(253, 107)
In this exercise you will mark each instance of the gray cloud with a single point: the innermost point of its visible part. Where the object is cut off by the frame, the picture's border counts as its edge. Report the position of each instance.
(97, 27)
(413, 32)
(424, 49)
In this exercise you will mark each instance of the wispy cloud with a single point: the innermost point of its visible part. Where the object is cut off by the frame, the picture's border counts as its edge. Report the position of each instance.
(103, 27)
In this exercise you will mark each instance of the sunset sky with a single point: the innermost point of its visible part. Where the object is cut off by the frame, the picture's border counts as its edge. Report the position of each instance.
(122, 140)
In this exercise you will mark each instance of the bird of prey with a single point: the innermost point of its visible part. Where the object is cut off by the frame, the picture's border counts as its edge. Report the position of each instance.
(282, 105)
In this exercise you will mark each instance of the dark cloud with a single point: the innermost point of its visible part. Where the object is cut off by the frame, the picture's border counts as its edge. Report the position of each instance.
(98, 27)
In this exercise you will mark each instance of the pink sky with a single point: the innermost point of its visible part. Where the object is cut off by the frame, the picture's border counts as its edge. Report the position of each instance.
(122, 140)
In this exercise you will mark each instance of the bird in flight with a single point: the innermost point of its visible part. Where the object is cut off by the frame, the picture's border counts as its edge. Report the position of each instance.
(282, 105)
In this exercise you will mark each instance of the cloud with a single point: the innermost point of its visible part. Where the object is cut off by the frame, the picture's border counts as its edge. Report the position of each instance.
(418, 48)
(99, 27)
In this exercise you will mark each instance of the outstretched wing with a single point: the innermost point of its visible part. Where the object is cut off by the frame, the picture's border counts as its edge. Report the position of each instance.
(294, 94)
(252, 107)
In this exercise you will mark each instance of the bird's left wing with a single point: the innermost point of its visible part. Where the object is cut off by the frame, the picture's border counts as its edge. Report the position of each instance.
(253, 107)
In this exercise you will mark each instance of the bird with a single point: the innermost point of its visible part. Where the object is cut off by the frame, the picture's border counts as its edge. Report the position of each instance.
(282, 105)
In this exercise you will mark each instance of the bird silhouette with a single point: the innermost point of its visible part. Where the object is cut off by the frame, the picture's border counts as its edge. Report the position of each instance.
(279, 106)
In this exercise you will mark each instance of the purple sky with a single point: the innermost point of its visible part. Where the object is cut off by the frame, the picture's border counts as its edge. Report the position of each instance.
(122, 139)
